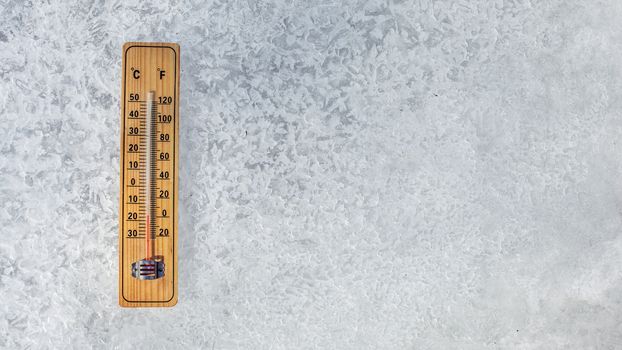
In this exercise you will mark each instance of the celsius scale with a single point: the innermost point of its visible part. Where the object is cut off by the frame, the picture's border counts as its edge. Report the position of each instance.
(149, 160)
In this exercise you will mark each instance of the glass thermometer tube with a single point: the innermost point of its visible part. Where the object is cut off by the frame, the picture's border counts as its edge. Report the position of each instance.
(150, 169)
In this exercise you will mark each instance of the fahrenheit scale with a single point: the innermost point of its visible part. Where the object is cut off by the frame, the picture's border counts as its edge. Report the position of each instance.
(149, 154)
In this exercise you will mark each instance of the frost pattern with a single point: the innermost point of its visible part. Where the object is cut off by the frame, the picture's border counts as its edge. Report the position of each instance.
(355, 174)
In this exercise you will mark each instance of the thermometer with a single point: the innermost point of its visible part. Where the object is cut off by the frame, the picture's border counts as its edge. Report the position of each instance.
(149, 154)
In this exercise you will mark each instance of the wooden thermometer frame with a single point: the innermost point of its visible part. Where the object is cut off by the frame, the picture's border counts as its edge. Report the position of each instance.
(148, 237)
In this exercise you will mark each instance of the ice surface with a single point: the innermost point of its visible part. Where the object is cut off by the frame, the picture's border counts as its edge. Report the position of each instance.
(355, 175)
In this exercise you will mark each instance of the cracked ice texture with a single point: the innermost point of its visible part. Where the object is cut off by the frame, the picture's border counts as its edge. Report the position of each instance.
(354, 175)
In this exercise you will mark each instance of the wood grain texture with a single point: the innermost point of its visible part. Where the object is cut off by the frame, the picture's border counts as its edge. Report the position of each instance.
(149, 59)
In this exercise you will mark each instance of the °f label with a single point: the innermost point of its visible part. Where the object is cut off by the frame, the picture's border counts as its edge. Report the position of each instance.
(149, 154)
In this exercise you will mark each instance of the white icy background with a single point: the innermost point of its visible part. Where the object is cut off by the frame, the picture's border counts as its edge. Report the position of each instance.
(354, 175)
